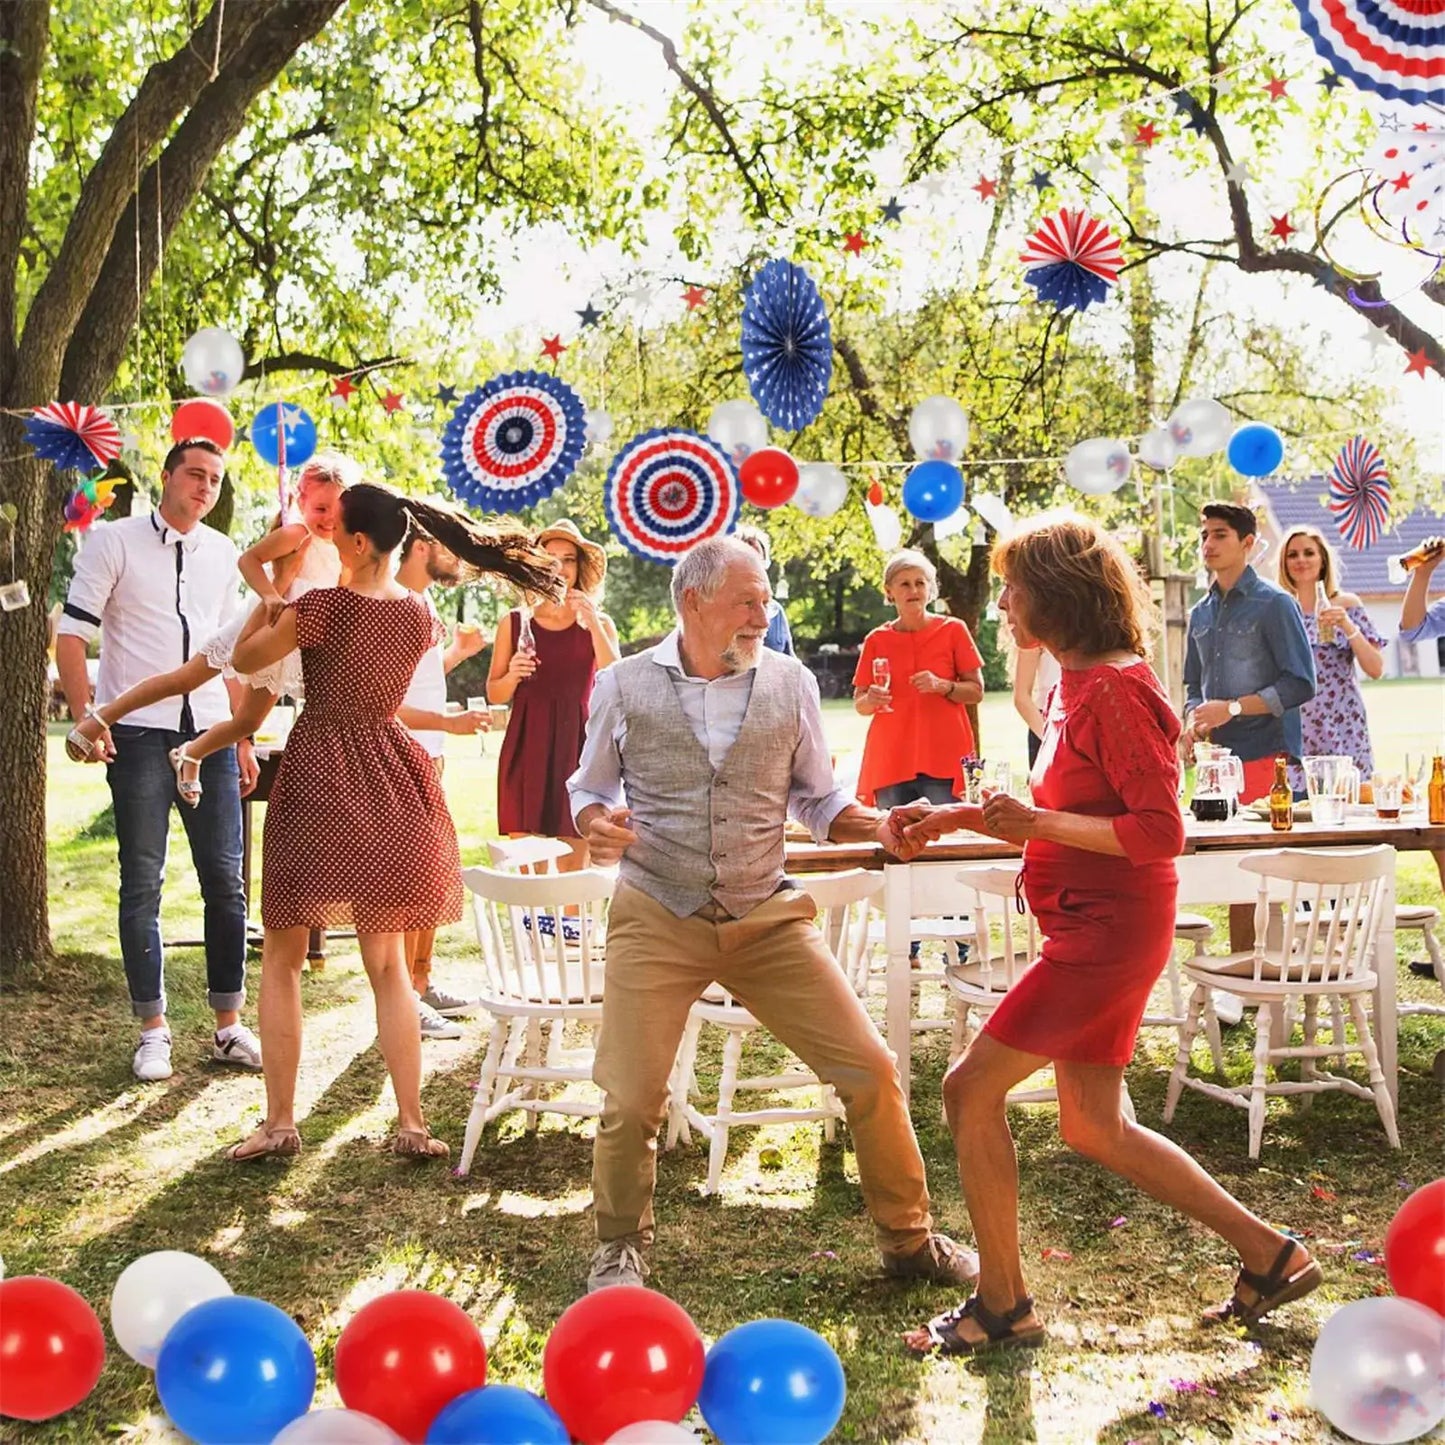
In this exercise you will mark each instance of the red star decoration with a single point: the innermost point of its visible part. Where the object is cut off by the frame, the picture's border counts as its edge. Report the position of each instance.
(1402, 181)
(1421, 125)
(1276, 88)
(393, 401)
(1418, 363)
(1145, 135)
(986, 188)
(552, 348)
(853, 243)
(1280, 226)
(343, 388)
(695, 297)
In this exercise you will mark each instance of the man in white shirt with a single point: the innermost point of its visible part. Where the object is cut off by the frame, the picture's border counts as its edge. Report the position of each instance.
(153, 588)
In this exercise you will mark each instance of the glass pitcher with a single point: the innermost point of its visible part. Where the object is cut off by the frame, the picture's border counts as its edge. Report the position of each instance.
(1218, 782)
(1333, 784)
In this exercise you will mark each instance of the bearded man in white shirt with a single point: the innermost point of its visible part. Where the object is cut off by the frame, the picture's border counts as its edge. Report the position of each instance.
(153, 588)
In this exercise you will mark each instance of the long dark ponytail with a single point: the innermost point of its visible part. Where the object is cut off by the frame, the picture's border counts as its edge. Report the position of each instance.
(385, 516)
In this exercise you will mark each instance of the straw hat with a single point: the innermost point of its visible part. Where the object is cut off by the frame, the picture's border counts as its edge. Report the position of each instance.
(591, 557)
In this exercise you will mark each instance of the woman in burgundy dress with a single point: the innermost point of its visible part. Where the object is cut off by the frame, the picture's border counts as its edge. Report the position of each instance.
(543, 664)
(357, 827)
(1099, 848)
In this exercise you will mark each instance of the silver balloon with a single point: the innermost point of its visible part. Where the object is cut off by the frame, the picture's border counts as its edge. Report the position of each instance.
(213, 362)
(654, 1432)
(822, 489)
(597, 426)
(153, 1292)
(739, 428)
(1098, 465)
(938, 429)
(1200, 427)
(1378, 1370)
(337, 1427)
(1157, 449)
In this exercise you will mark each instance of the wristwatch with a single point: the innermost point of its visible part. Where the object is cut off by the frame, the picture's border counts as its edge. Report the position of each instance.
(1235, 708)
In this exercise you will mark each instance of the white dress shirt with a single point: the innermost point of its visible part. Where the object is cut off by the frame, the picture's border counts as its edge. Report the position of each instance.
(714, 708)
(153, 595)
(428, 690)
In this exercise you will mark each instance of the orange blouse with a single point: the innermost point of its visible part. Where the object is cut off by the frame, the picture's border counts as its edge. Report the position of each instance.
(925, 732)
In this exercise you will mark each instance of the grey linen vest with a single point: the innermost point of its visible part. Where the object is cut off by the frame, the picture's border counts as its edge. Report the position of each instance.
(704, 834)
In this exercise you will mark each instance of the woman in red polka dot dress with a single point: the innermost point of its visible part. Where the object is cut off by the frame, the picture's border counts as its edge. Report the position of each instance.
(357, 827)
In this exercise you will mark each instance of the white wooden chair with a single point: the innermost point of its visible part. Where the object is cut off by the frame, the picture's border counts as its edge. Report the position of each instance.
(842, 900)
(1332, 899)
(535, 981)
(529, 854)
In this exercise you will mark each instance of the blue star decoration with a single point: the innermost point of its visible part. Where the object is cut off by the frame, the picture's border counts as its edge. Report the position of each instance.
(446, 395)
(893, 211)
(590, 315)
(1041, 181)
(1330, 81)
(243, 432)
(1185, 104)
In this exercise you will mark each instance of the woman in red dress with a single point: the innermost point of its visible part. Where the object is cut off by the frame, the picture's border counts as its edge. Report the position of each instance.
(1099, 848)
(357, 827)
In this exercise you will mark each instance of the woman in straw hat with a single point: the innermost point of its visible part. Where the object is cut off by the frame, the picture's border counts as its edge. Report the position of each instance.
(543, 664)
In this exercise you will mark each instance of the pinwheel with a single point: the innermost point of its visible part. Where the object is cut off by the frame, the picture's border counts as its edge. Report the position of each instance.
(513, 441)
(667, 491)
(1072, 260)
(74, 436)
(1360, 493)
(1393, 47)
(787, 345)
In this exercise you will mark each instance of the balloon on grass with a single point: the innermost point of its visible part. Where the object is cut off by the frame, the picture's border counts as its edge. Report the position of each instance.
(201, 417)
(1255, 450)
(772, 1382)
(933, 490)
(655, 1432)
(337, 1427)
(52, 1348)
(1415, 1247)
(153, 1292)
(498, 1415)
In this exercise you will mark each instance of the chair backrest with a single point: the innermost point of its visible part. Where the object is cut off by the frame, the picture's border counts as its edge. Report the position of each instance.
(530, 854)
(1005, 941)
(522, 925)
(843, 900)
(1331, 907)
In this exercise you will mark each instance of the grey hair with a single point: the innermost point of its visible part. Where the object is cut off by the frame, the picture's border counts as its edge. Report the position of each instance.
(703, 567)
(902, 561)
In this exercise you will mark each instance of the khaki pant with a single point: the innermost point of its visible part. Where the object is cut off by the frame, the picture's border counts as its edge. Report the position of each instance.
(420, 941)
(776, 964)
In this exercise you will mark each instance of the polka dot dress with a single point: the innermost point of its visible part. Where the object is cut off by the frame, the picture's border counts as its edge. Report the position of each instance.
(357, 828)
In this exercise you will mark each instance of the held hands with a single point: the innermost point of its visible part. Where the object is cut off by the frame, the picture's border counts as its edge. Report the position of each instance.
(930, 682)
(274, 606)
(1008, 818)
(895, 827)
(608, 836)
(466, 724)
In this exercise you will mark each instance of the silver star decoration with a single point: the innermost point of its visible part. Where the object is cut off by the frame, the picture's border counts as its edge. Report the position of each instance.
(935, 183)
(290, 418)
(1391, 122)
(129, 441)
(1376, 337)
(642, 294)
(1093, 165)
(1238, 174)
(1224, 84)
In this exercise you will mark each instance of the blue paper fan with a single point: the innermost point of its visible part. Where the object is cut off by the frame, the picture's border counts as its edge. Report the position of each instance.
(787, 345)
(513, 441)
(668, 490)
(76, 437)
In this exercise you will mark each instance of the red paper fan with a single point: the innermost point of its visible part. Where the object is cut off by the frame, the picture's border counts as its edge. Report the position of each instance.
(1072, 259)
(74, 436)
(1360, 493)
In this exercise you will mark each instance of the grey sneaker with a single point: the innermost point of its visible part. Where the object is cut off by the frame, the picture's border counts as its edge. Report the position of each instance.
(153, 1058)
(619, 1261)
(940, 1261)
(433, 1025)
(237, 1045)
(446, 1004)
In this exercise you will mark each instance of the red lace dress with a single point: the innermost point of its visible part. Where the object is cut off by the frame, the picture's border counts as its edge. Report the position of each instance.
(1108, 923)
(357, 827)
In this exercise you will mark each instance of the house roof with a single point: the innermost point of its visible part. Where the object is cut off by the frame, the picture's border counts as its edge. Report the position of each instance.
(1304, 502)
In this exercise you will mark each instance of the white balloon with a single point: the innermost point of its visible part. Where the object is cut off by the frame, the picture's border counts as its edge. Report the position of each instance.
(822, 489)
(337, 1427)
(994, 511)
(1157, 449)
(938, 429)
(739, 428)
(952, 525)
(654, 1432)
(213, 362)
(887, 529)
(597, 426)
(1376, 1370)
(153, 1292)
(1200, 427)
(1098, 465)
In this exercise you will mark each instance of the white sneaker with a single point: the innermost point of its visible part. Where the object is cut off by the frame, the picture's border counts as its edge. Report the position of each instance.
(446, 1004)
(237, 1045)
(433, 1025)
(152, 1060)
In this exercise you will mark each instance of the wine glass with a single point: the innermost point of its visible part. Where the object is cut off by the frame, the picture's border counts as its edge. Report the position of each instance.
(1415, 765)
(479, 704)
(883, 678)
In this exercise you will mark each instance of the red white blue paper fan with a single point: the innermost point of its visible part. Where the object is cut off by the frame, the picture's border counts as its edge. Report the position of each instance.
(513, 441)
(1393, 47)
(787, 345)
(74, 436)
(667, 491)
(1360, 493)
(1072, 260)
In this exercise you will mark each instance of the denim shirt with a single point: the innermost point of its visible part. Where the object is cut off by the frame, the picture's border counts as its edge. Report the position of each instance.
(780, 635)
(1251, 639)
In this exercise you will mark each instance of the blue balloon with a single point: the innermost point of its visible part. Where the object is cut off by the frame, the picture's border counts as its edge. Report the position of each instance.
(1255, 450)
(281, 421)
(772, 1382)
(499, 1415)
(933, 490)
(235, 1370)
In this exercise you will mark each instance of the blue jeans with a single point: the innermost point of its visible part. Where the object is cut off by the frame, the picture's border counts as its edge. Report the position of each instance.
(143, 790)
(922, 789)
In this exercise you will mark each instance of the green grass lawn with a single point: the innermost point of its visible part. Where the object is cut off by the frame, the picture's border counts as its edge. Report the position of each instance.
(96, 1169)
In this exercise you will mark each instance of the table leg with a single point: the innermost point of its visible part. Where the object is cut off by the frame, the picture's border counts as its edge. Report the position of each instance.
(1384, 1020)
(898, 999)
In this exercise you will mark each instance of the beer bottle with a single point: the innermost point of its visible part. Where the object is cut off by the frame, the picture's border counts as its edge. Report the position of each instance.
(1436, 794)
(1281, 799)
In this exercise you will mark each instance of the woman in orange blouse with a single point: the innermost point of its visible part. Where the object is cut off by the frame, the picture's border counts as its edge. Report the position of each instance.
(920, 731)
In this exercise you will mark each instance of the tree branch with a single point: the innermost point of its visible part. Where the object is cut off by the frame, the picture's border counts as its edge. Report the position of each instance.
(306, 361)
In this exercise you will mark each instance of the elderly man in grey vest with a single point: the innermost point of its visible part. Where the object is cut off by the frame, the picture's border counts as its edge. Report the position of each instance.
(714, 740)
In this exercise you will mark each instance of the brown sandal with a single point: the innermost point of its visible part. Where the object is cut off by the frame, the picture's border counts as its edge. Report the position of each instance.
(418, 1144)
(275, 1143)
(1271, 1290)
(998, 1330)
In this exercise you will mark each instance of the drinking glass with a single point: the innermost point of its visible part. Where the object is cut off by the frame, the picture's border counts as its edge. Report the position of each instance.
(1388, 789)
(1413, 796)
(479, 704)
(883, 677)
(501, 711)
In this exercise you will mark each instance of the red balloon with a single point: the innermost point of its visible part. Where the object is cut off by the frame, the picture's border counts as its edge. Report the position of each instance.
(768, 477)
(619, 1356)
(1415, 1247)
(406, 1356)
(52, 1349)
(202, 417)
